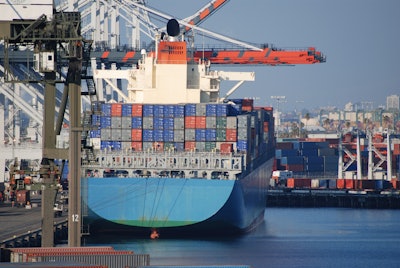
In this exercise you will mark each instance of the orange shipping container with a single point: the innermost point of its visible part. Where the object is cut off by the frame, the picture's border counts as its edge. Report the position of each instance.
(226, 147)
(136, 134)
(340, 183)
(190, 145)
(231, 134)
(137, 146)
(137, 109)
(190, 122)
(200, 122)
(349, 183)
(116, 109)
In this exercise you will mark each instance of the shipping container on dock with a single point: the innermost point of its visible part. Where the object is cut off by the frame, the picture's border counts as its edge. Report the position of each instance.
(106, 256)
(53, 264)
(298, 183)
(197, 266)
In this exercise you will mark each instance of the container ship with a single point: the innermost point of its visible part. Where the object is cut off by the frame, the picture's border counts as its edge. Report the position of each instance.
(175, 155)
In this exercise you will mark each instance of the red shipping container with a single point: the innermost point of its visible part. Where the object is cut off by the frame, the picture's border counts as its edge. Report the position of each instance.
(247, 102)
(396, 149)
(395, 184)
(349, 183)
(226, 148)
(200, 122)
(62, 249)
(136, 134)
(340, 183)
(137, 146)
(23, 196)
(190, 145)
(298, 183)
(116, 109)
(190, 122)
(231, 134)
(247, 108)
(137, 109)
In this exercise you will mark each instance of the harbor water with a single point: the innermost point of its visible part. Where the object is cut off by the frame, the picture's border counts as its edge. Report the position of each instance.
(289, 237)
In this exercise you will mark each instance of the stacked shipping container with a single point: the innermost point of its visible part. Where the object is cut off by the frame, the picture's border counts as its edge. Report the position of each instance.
(182, 127)
(306, 156)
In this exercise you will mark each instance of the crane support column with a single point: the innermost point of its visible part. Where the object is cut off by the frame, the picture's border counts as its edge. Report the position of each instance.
(74, 206)
(47, 166)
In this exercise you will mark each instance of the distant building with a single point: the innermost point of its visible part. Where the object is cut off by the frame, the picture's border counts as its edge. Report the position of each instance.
(392, 102)
(349, 107)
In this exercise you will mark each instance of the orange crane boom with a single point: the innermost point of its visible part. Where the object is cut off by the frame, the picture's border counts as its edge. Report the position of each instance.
(205, 12)
(268, 56)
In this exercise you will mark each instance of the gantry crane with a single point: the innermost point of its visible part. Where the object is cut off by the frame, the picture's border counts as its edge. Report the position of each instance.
(262, 54)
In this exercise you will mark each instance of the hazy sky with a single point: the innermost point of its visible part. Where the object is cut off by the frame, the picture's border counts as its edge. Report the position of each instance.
(360, 38)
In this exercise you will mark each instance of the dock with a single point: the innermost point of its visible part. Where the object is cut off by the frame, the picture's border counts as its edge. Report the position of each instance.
(21, 226)
(333, 198)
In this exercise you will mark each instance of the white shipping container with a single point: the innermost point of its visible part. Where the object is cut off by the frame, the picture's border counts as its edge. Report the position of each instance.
(26, 10)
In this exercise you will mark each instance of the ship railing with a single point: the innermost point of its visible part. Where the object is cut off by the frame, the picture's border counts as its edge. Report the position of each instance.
(160, 161)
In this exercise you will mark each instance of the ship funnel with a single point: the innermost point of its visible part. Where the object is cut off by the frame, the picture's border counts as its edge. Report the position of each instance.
(173, 29)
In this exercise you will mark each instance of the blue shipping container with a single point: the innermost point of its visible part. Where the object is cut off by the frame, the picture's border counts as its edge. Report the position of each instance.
(169, 111)
(222, 110)
(169, 123)
(242, 145)
(148, 110)
(106, 145)
(292, 160)
(190, 109)
(200, 135)
(95, 120)
(309, 152)
(94, 133)
(105, 122)
(148, 135)
(158, 123)
(106, 109)
(279, 153)
(158, 110)
(168, 135)
(116, 145)
(126, 109)
(179, 111)
(158, 135)
(211, 134)
(179, 146)
(315, 160)
(211, 109)
(137, 122)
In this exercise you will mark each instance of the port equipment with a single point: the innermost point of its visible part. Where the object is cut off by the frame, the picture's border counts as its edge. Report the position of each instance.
(57, 44)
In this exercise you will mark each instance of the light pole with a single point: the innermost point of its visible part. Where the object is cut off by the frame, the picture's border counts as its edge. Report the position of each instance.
(279, 100)
(299, 115)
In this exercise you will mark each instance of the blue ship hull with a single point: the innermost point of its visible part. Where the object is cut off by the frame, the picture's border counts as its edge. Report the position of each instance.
(177, 203)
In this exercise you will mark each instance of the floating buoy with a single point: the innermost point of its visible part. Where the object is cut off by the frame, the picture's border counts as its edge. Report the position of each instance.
(154, 234)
